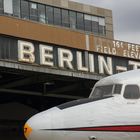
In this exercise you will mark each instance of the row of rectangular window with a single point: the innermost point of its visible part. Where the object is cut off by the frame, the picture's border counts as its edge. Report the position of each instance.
(53, 15)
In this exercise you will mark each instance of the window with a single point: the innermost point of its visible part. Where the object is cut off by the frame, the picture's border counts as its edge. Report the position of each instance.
(72, 19)
(49, 14)
(80, 21)
(33, 11)
(65, 18)
(8, 7)
(101, 30)
(102, 91)
(57, 16)
(95, 25)
(24, 9)
(101, 21)
(117, 89)
(131, 92)
(16, 8)
(53, 15)
(101, 26)
(41, 13)
(1, 6)
(88, 22)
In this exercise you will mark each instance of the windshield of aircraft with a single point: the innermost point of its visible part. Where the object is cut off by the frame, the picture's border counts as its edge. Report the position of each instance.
(102, 91)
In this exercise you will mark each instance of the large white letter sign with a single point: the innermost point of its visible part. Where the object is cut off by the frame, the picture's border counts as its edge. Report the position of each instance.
(26, 52)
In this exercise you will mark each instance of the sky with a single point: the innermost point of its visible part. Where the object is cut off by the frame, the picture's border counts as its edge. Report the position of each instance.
(126, 17)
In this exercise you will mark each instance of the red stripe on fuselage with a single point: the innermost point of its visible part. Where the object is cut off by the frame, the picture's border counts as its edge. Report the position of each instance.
(129, 128)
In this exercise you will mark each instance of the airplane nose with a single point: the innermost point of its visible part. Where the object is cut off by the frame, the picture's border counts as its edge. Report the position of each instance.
(27, 130)
(39, 126)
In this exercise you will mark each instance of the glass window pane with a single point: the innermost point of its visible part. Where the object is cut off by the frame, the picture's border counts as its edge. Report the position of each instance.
(1, 6)
(117, 89)
(80, 21)
(49, 14)
(24, 9)
(72, 19)
(101, 26)
(41, 13)
(102, 91)
(95, 27)
(65, 18)
(94, 18)
(33, 11)
(95, 24)
(102, 21)
(131, 92)
(16, 8)
(57, 16)
(88, 22)
(8, 7)
(101, 30)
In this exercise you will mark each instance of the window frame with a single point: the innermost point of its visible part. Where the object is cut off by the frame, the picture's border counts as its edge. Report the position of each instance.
(114, 89)
(95, 95)
(80, 26)
(88, 27)
(49, 19)
(73, 19)
(95, 21)
(41, 19)
(56, 16)
(65, 24)
(28, 12)
(133, 97)
(15, 14)
(33, 17)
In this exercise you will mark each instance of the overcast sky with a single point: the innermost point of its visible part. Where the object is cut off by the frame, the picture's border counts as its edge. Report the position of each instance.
(126, 17)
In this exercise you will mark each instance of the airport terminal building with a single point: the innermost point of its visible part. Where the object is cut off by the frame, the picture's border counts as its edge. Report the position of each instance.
(54, 51)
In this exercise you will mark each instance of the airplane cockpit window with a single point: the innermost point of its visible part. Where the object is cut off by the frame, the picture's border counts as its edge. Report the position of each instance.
(102, 91)
(117, 89)
(131, 92)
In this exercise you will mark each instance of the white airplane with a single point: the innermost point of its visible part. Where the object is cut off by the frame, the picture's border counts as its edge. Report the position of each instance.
(112, 112)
